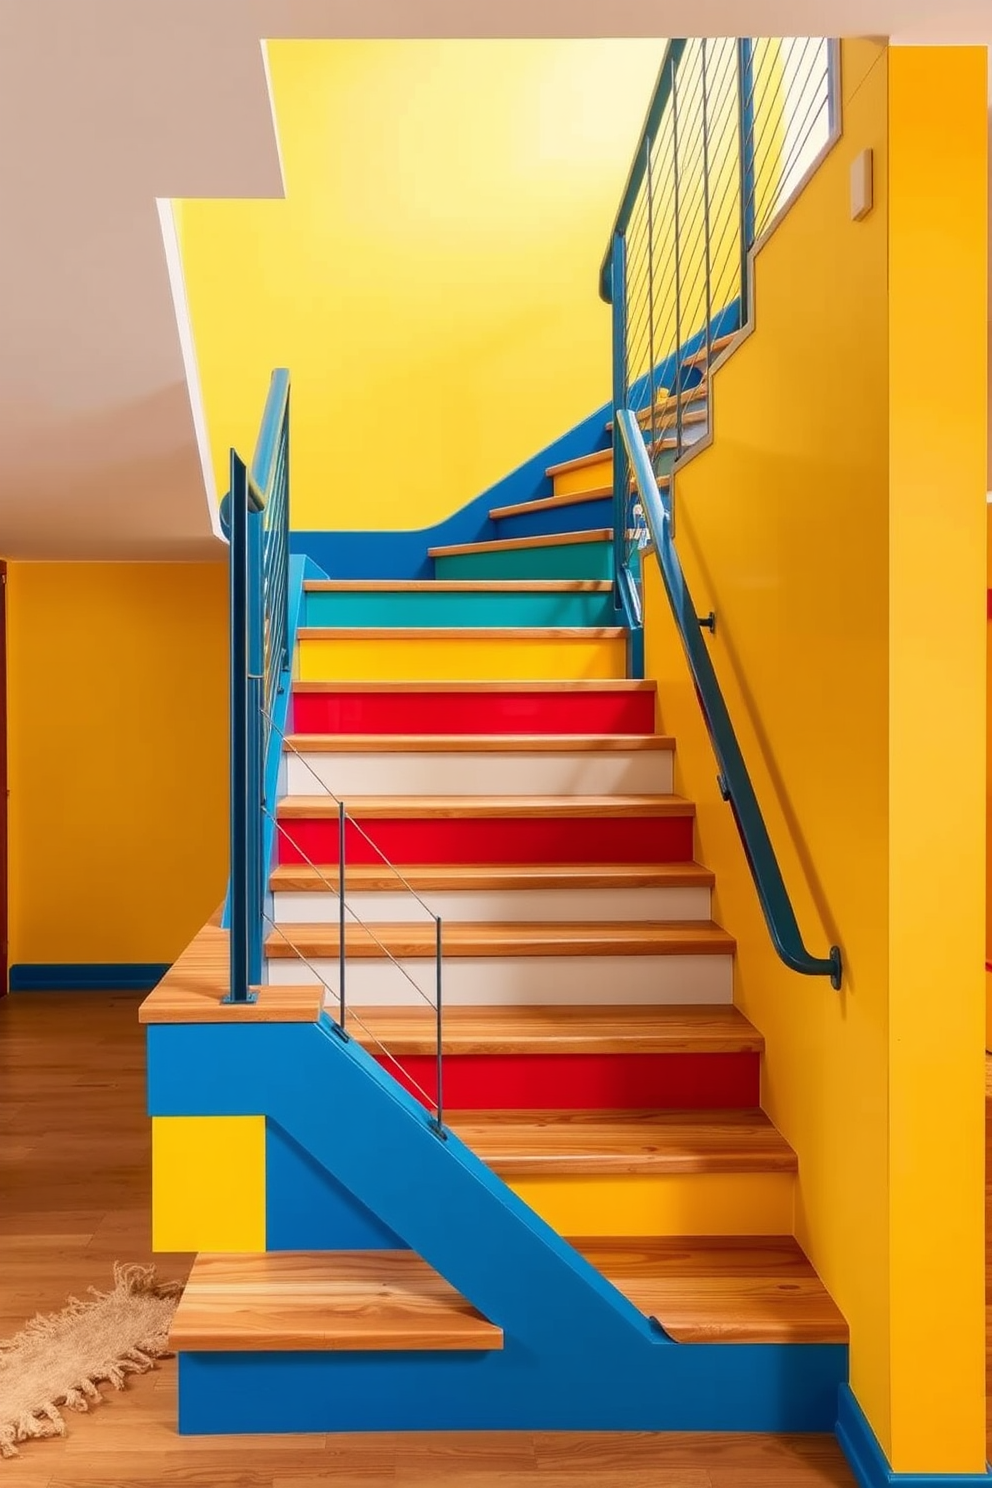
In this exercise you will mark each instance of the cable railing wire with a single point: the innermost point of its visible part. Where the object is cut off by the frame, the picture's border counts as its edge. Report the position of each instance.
(732, 130)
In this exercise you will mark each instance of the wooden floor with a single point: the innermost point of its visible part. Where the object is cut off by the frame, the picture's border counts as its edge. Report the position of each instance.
(74, 1197)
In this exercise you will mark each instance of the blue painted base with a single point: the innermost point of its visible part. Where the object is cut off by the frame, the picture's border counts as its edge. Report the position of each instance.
(578, 1354)
(87, 976)
(869, 1464)
(691, 1387)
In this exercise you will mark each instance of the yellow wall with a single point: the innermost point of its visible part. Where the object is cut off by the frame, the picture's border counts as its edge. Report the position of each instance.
(117, 700)
(853, 667)
(430, 279)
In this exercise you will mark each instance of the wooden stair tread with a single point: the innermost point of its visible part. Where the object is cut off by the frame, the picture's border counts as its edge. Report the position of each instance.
(580, 462)
(547, 1143)
(394, 807)
(573, 684)
(372, 878)
(722, 1289)
(550, 503)
(476, 743)
(720, 343)
(690, 1029)
(461, 586)
(527, 938)
(286, 1300)
(461, 632)
(512, 544)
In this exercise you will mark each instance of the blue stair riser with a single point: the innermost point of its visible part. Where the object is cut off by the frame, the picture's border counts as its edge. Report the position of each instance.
(569, 561)
(454, 608)
(678, 1387)
(577, 518)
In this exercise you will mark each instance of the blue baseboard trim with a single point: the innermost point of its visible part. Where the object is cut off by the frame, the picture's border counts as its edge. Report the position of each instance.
(869, 1464)
(87, 976)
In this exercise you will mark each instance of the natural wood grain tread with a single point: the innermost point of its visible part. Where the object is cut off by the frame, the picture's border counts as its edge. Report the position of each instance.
(333, 1300)
(194, 988)
(550, 503)
(580, 462)
(413, 941)
(477, 743)
(701, 357)
(656, 1143)
(396, 807)
(722, 1290)
(512, 544)
(460, 586)
(691, 1029)
(372, 878)
(421, 633)
(574, 684)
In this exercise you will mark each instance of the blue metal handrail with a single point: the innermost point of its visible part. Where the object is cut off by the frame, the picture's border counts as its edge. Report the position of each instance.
(255, 515)
(735, 782)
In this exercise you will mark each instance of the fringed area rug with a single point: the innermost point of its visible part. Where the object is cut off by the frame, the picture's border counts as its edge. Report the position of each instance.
(63, 1359)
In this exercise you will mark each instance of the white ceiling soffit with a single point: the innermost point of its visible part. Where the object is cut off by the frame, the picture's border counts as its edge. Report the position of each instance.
(107, 106)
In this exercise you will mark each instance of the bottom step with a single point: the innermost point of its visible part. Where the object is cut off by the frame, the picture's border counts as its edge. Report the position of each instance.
(722, 1290)
(324, 1300)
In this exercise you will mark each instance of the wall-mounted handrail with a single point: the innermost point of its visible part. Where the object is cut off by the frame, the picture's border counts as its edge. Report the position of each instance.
(735, 782)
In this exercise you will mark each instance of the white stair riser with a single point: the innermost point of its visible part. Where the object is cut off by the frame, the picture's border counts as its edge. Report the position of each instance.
(486, 906)
(570, 773)
(531, 981)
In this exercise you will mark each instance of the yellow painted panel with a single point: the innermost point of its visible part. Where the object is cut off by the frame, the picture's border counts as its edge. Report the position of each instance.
(460, 659)
(782, 527)
(938, 192)
(432, 288)
(683, 1204)
(118, 723)
(208, 1183)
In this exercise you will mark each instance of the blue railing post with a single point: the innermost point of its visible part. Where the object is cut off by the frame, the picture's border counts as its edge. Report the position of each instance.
(745, 123)
(618, 300)
(240, 721)
(256, 767)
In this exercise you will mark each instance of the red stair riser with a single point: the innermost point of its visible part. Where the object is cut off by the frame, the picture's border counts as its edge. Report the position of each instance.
(488, 840)
(473, 713)
(589, 1082)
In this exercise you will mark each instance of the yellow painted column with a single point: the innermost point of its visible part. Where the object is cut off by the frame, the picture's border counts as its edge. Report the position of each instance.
(938, 265)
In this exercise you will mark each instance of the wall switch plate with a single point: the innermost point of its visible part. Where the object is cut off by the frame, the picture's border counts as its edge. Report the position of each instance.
(861, 185)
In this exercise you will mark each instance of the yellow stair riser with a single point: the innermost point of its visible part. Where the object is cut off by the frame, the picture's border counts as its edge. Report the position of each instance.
(673, 1204)
(459, 659)
(586, 478)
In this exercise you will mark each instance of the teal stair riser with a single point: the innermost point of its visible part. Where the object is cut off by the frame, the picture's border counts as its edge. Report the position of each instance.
(577, 1354)
(417, 607)
(570, 561)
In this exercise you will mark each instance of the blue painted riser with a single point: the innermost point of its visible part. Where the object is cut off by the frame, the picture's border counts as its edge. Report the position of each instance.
(578, 518)
(440, 607)
(680, 1387)
(578, 1355)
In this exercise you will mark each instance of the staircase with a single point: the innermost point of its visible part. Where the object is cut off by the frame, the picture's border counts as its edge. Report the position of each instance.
(604, 1238)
